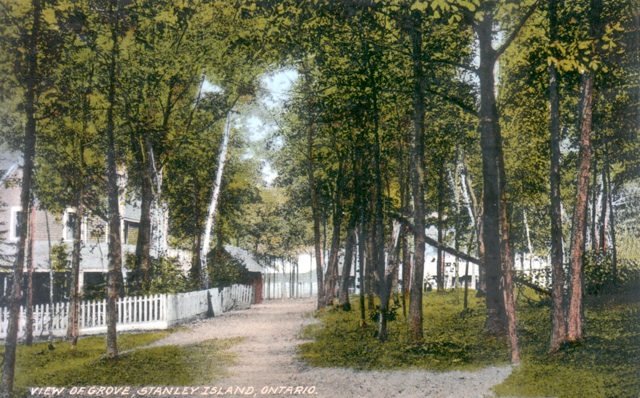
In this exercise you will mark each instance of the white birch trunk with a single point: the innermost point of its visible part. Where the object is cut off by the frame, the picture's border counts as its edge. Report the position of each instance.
(213, 205)
(466, 198)
(159, 218)
(526, 228)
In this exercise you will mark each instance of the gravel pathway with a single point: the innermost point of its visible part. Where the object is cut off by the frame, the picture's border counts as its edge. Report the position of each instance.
(266, 364)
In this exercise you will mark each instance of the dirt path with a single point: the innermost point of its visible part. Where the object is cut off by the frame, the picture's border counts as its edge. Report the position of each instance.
(266, 361)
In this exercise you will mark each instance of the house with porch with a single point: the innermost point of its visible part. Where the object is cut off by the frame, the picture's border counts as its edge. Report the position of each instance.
(53, 233)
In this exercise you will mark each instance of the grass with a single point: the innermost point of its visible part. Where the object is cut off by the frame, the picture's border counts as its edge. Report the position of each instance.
(195, 364)
(605, 364)
(454, 339)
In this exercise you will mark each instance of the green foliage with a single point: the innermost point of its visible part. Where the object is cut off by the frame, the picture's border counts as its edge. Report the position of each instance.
(225, 270)
(195, 364)
(60, 257)
(61, 265)
(453, 339)
(600, 277)
(166, 276)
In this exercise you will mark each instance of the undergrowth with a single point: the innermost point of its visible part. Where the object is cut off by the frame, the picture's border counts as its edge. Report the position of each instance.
(56, 365)
(605, 364)
(453, 339)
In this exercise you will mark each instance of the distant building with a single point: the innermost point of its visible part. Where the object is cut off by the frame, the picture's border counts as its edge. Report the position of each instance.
(254, 269)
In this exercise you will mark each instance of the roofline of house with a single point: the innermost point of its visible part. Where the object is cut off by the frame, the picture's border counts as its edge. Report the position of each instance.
(8, 172)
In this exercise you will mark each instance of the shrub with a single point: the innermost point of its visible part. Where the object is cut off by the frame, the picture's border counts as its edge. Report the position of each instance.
(165, 276)
(225, 270)
(600, 277)
(61, 265)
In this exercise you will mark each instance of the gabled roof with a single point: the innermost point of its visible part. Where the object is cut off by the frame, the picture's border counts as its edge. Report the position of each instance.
(245, 258)
(9, 162)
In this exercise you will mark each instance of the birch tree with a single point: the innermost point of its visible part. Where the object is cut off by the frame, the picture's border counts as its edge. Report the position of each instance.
(213, 203)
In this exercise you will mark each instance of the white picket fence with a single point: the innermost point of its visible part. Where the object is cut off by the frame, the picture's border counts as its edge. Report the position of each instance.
(134, 313)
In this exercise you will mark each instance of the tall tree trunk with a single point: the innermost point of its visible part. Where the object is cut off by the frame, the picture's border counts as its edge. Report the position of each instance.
(159, 214)
(370, 266)
(332, 268)
(143, 243)
(213, 205)
(346, 268)
(115, 242)
(30, 93)
(603, 211)
(406, 269)
(315, 210)
(377, 230)
(386, 279)
(454, 181)
(578, 231)
(594, 207)
(558, 316)
(361, 265)
(508, 286)
(417, 175)
(491, 151)
(196, 246)
(497, 260)
(30, 266)
(440, 272)
(612, 228)
(73, 329)
(475, 214)
(51, 275)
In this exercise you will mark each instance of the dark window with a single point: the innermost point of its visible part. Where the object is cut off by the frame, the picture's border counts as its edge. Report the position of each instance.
(95, 286)
(131, 232)
(71, 225)
(18, 224)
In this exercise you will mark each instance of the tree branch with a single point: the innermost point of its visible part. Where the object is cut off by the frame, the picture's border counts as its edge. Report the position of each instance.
(434, 243)
(516, 31)
(455, 64)
(463, 256)
(455, 101)
(531, 285)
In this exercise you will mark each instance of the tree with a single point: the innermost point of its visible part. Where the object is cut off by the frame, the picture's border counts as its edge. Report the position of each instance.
(69, 170)
(163, 69)
(578, 231)
(213, 204)
(483, 17)
(558, 327)
(29, 39)
(114, 13)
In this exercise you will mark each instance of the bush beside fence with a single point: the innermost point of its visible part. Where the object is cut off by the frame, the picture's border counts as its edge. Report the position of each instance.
(134, 313)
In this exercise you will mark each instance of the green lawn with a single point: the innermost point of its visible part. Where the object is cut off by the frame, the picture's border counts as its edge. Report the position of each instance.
(607, 364)
(195, 364)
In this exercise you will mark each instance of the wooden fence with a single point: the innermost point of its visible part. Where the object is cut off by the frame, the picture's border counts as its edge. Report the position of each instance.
(134, 313)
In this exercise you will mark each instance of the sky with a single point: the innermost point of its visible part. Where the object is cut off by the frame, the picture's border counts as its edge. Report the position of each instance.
(277, 88)
(258, 123)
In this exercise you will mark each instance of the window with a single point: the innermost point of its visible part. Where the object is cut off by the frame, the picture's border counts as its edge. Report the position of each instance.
(131, 232)
(17, 217)
(69, 223)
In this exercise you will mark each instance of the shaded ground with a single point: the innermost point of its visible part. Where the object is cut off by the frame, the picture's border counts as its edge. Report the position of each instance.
(266, 364)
